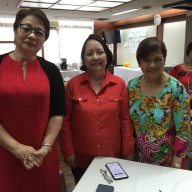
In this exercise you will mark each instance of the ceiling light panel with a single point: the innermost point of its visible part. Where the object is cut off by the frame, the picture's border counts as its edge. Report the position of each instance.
(105, 4)
(39, 5)
(67, 7)
(131, 10)
(92, 9)
(42, 1)
(75, 2)
(124, 1)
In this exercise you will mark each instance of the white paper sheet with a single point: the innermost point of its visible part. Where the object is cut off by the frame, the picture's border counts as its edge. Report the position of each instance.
(131, 49)
(144, 32)
(126, 43)
(137, 32)
(137, 41)
(132, 33)
(131, 43)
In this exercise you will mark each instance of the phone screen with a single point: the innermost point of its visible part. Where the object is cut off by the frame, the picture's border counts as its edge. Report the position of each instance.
(116, 171)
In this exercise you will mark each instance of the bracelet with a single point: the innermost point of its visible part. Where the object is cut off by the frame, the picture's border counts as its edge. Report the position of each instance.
(177, 165)
(48, 145)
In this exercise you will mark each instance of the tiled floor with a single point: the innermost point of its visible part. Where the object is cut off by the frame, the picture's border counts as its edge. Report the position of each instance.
(66, 170)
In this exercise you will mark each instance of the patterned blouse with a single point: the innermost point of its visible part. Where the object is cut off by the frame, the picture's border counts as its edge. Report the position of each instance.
(161, 122)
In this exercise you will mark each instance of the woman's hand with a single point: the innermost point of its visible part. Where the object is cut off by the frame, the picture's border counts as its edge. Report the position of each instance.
(26, 163)
(21, 151)
(189, 97)
(35, 157)
(41, 153)
(128, 157)
(176, 163)
(70, 161)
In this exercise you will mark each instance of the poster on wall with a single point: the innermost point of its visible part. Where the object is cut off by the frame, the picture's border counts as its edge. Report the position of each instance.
(131, 43)
(137, 32)
(132, 33)
(137, 41)
(144, 32)
(131, 49)
(126, 43)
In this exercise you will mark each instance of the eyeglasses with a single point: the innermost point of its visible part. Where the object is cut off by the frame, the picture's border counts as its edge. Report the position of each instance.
(27, 29)
(104, 173)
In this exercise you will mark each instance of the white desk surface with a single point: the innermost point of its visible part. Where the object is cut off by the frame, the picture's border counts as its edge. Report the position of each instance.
(128, 68)
(142, 177)
(69, 74)
(127, 73)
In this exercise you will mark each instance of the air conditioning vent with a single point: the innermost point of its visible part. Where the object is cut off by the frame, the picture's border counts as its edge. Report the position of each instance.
(54, 24)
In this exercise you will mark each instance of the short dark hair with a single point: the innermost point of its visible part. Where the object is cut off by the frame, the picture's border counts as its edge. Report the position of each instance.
(149, 45)
(105, 47)
(188, 49)
(35, 12)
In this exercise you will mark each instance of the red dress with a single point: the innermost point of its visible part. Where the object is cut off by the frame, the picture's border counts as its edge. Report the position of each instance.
(24, 113)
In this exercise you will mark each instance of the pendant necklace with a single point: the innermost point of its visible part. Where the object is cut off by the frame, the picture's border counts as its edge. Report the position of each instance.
(151, 85)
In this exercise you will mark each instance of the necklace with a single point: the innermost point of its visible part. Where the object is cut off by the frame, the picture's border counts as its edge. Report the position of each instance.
(189, 91)
(23, 67)
(151, 85)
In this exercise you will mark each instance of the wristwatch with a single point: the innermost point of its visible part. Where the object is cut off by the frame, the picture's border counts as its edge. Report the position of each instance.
(48, 145)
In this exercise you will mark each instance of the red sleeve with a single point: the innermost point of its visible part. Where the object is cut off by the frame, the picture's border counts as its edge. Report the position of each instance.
(174, 72)
(65, 135)
(128, 139)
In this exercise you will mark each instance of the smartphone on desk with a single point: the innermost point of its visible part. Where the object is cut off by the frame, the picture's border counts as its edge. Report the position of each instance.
(104, 188)
(116, 171)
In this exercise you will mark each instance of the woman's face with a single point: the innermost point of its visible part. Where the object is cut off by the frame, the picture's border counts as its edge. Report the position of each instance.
(29, 43)
(153, 65)
(95, 58)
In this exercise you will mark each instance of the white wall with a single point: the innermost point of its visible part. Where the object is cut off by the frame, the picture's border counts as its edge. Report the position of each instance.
(174, 39)
(123, 54)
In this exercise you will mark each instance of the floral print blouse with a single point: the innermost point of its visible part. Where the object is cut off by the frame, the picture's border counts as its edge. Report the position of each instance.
(162, 122)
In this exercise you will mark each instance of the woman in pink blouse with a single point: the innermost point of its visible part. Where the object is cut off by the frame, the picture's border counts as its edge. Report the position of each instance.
(183, 72)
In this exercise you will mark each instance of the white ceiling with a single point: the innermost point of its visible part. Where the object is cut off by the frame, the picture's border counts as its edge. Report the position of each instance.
(8, 9)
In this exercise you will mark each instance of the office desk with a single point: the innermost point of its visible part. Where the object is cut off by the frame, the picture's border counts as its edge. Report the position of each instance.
(70, 74)
(142, 177)
(127, 73)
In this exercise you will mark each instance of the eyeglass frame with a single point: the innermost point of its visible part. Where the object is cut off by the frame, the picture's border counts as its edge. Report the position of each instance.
(106, 177)
(32, 30)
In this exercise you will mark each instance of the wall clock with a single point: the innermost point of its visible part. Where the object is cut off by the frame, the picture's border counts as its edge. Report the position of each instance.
(157, 19)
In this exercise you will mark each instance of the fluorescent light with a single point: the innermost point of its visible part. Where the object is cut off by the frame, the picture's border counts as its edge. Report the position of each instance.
(39, 5)
(124, 12)
(105, 4)
(91, 9)
(125, 1)
(42, 1)
(66, 7)
(75, 2)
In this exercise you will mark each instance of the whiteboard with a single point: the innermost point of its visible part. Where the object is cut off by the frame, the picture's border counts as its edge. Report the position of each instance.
(174, 39)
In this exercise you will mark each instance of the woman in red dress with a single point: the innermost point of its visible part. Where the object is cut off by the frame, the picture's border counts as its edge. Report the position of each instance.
(31, 110)
(97, 121)
(183, 72)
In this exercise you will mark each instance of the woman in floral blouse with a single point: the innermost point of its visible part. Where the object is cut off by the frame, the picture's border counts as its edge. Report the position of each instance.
(159, 109)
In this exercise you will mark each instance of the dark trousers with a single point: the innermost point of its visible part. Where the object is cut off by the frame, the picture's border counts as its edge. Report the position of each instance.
(78, 173)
